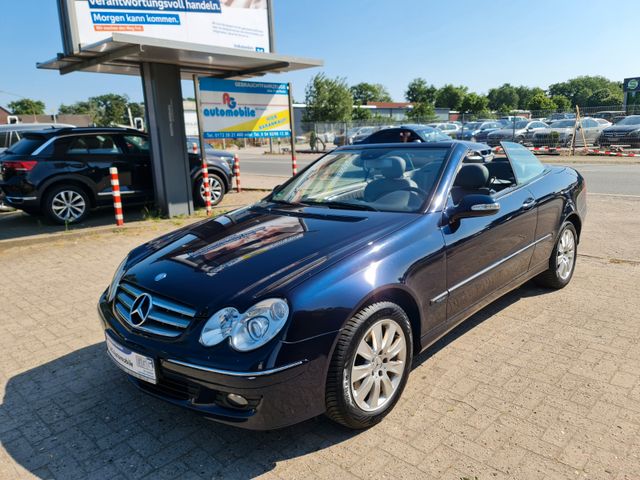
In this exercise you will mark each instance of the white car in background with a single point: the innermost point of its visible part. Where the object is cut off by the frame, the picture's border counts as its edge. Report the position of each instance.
(448, 128)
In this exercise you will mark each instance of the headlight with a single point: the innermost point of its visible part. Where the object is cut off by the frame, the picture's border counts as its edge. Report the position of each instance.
(635, 133)
(113, 287)
(249, 330)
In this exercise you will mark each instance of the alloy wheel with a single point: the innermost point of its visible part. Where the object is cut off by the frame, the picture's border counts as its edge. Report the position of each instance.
(215, 187)
(68, 205)
(565, 254)
(378, 365)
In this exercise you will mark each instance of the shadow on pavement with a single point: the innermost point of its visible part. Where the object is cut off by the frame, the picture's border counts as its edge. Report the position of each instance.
(78, 416)
(19, 224)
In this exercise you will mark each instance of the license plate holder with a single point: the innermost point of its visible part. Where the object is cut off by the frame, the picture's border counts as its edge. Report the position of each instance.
(133, 363)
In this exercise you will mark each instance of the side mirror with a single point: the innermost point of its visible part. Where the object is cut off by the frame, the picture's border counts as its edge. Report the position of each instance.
(474, 205)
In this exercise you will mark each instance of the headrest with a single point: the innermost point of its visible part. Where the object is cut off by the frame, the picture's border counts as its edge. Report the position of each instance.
(390, 167)
(472, 176)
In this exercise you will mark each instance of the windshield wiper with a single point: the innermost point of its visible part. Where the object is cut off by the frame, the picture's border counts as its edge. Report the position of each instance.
(341, 205)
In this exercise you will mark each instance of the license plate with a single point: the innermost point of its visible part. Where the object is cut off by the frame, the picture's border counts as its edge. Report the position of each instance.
(140, 366)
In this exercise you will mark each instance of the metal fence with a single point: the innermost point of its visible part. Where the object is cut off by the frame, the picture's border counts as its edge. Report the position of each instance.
(543, 129)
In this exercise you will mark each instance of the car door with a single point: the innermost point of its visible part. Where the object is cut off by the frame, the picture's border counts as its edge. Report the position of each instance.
(591, 130)
(138, 154)
(95, 154)
(486, 253)
(544, 187)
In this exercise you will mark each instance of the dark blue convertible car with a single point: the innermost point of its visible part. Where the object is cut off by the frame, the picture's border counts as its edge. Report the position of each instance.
(316, 299)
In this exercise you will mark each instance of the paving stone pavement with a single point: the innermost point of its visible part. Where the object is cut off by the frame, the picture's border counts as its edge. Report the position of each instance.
(538, 385)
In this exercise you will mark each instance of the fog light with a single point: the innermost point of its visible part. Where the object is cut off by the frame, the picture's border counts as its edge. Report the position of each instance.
(237, 400)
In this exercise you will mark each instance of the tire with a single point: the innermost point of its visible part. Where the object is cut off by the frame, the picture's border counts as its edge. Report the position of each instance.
(566, 247)
(385, 372)
(217, 190)
(520, 139)
(66, 204)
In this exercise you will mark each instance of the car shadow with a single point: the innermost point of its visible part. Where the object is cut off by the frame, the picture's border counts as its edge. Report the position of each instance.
(78, 415)
(18, 224)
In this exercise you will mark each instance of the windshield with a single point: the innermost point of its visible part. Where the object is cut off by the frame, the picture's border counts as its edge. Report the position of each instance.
(26, 146)
(634, 120)
(381, 179)
(471, 126)
(433, 135)
(563, 124)
(520, 124)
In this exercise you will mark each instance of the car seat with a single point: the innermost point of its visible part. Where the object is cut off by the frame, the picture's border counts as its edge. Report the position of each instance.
(392, 170)
(472, 178)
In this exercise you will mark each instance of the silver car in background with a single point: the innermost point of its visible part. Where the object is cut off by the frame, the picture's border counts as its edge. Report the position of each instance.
(522, 131)
(560, 133)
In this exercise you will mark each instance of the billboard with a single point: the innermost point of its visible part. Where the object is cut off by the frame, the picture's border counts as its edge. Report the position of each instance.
(242, 24)
(235, 109)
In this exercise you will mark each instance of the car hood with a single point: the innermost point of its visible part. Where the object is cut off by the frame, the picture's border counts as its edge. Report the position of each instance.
(622, 128)
(547, 131)
(505, 131)
(248, 254)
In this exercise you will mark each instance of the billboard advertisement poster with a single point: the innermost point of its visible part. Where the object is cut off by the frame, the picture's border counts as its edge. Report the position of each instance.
(242, 24)
(235, 109)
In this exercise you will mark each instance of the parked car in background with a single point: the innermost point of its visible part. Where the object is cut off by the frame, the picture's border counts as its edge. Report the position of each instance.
(560, 133)
(348, 139)
(366, 131)
(406, 134)
(625, 132)
(13, 133)
(478, 131)
(449, 128)
(608, 115)
(603, 122)
(64, 172)
(316, 299)
(193, 146)
(521, 131)
(554, 117)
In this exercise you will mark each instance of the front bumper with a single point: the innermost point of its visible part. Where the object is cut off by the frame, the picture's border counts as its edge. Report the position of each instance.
(626, 140)
(277, 397)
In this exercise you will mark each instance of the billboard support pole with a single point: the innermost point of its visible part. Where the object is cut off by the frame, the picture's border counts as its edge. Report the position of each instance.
(294, 164)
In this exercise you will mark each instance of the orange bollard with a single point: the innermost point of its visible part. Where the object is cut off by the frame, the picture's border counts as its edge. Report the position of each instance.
(207, 187)
(117, 200)
(236, 172)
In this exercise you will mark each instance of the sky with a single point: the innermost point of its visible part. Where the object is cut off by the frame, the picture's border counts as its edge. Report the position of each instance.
(480, 44)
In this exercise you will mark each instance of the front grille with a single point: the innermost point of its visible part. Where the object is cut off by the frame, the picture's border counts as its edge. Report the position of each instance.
(166, 318)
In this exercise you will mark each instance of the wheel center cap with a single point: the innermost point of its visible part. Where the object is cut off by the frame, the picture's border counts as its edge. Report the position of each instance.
(377, 362)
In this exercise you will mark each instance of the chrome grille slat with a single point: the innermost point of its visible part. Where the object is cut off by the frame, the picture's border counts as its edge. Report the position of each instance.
(166, 318)
(125, 299)
(167, 305)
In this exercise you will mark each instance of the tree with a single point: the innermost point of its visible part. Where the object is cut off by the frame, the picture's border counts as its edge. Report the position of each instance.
(418, 91)
(525, 94)
(360, 113)
(422, 112)
(603, 97)
(328, 100)
(475, 104)
(451, 96)
(562, 103)
(541, 102)
(363, 93)
(581, 90)
(503, 98)
(26, 106)
(105, 110)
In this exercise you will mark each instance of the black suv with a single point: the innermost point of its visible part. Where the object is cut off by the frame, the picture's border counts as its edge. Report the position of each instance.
(63, 172)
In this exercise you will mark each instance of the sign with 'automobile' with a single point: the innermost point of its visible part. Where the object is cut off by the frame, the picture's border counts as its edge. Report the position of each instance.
(234, 109)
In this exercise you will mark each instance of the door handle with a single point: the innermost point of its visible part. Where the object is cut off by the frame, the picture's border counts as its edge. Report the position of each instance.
(529, 203)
